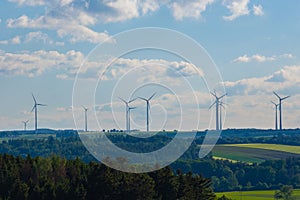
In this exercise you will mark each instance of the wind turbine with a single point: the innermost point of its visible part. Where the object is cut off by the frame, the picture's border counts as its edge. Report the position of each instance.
(280, 110)
(221, 105)
(85, 117)
(25, 124)
(148, 108)
(35, 108)
(276, 109)
(217, 103)
(127, 110)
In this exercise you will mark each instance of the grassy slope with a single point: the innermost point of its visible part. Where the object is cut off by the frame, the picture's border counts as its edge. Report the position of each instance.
(276, 147)
(255, 153)
(255, 195)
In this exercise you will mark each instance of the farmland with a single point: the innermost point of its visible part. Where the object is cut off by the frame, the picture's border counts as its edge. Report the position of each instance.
(255, 195)
(275, 147)
(255, 153)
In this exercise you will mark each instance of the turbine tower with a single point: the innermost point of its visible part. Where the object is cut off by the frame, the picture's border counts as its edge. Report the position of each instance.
(25, 124)
(276, 114)
(129, 108)
(217, 103)
(85, 117)
(35, 108)
(221, 105)
(127, 113)
(148, 108)
(280, 99)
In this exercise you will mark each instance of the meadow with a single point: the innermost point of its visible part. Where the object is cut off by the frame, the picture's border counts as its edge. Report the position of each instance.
(275, 147)
(255, 195)
(255, 153)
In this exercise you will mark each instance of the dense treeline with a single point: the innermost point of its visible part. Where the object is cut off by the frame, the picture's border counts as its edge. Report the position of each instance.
(292, 139)
(57, 178)
(226, 176)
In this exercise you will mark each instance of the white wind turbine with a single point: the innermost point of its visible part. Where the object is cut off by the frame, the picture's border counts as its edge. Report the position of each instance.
(25, 124)
(280, 99)
(217, 103)
(127, 113)
(276, 114)
(85, 117)
(147, 108)
(35, 108)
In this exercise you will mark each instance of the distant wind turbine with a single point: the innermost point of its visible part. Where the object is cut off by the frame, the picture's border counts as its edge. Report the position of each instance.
(217, 103)
(127, 113)
(221, 105)
(35, 108)
(276, 114)
(129, 108)
(85, 117)
(25, 124)
(148, 108)
(280, 99)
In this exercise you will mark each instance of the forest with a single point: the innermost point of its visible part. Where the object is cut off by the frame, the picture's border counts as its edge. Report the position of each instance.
(225, 175)
(59, 178)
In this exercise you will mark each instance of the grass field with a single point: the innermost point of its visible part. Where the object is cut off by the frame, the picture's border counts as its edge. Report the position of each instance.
(255, 195)
(276, 147)
(255, 153)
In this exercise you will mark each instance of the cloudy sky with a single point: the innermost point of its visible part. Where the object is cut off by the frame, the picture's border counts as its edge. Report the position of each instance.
(254, 44)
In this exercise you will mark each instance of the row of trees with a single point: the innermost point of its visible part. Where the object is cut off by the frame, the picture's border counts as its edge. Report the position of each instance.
(58, 178)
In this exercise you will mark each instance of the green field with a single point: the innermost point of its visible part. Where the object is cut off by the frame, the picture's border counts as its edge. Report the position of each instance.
(255, 153)
(255, 195)
(275, 147)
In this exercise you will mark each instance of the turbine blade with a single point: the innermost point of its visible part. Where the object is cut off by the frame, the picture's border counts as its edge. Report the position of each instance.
(213, 94)
(212, 105)
(33, 107)
(143, 98)
(222, 96)
(273, 103)
(33, 98)
(285, 97)
(132, 100)
(152, 96)
(123, 100)
(84, 107)
(276, 95)
(39, 104)
(132, 108)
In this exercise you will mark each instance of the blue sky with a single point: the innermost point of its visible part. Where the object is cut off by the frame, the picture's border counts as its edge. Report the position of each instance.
(254, 43)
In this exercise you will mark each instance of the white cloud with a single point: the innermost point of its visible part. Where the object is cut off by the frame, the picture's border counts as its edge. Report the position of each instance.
(159, 69)
(40, 36)
(14, 40)
(35, 63)
(258, 10)
(286, 79)
(189, 9)
(260, 58)
(29, 2)
(65, 27)
(237, 8)
(32, 36)
(75, 17)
